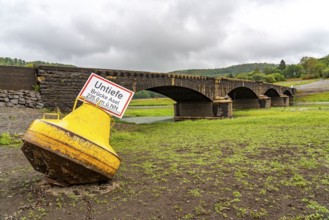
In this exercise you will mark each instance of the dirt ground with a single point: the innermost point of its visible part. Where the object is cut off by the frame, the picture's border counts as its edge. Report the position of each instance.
(17, 120)
(25, 194)
(315, 87)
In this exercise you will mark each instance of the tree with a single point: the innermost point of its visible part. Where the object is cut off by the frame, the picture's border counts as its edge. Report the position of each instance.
(293, 71)
(230, 75)
(269, 70)
(256, 70)
(325, 73)
(282, 65)
(312, 66)
(259, 77)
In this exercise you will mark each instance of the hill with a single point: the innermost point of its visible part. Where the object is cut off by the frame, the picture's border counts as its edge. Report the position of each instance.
(234, 70)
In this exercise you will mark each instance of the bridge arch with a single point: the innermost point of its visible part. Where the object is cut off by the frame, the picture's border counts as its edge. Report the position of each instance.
(244, 97)
(288, 93)
(272, 93)
(180, 94)
(276, 99)
(242, 93)
(189, 102)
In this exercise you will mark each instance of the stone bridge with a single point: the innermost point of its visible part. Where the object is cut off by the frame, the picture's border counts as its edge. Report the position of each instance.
(195, 96)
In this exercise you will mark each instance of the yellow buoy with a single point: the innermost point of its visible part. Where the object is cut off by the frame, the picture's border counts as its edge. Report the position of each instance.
(75, 149)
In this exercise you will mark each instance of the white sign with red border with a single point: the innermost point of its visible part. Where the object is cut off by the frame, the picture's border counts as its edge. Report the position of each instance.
(109, 96)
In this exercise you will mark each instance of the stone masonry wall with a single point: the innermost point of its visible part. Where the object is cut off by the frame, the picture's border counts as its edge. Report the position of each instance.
(17, 78)
(59, 86)
(20, 99)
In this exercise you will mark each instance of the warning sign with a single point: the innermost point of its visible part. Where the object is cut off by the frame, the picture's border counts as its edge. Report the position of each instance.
(109, 96)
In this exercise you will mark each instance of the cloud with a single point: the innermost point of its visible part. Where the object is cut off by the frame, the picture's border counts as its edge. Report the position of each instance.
(158, 35)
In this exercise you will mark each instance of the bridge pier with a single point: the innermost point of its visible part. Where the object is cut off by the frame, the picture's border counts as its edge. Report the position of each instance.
(223, 108)
(281, 101)
(220, 108)
(264, 101)
(246, 103)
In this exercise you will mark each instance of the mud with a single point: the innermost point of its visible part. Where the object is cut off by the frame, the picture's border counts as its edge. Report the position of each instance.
(315, 87)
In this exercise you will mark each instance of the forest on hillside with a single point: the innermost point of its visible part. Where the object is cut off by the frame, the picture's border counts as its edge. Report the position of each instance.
(235, 69)
(7, 61)
(307, 68)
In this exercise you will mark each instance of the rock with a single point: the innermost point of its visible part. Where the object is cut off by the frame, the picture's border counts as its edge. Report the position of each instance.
(39, 105)
(20, 99)
(14, 101)
(22, 102)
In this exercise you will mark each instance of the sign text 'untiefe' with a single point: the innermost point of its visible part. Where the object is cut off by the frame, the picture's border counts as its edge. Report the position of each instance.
(109, 96)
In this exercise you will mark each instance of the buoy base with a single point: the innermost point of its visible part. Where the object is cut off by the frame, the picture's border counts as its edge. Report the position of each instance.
(67, 157)
(59, 167)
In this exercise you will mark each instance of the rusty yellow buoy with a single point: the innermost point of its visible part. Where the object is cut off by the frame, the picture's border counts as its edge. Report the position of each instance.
(75, 149)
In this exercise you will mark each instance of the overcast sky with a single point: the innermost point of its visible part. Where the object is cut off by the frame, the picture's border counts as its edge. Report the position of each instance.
(163, 35)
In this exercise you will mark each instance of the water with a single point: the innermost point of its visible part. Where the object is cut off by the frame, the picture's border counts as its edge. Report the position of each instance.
(147, 120)
(148, 107)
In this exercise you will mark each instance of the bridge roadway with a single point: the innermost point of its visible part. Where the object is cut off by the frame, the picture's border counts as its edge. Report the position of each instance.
(195, 96)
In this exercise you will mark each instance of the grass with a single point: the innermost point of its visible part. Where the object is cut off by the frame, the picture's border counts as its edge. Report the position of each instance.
(283, 111)
(8, 139)
(219, 167)
(317, 97)
(150, 107)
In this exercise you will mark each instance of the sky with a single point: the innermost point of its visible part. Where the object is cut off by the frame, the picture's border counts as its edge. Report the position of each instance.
(163, 35)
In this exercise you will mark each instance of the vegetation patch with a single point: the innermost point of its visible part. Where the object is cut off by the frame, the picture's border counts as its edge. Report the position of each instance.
(216, 168)
(8, 139)
(317, 97)
(152, 102)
